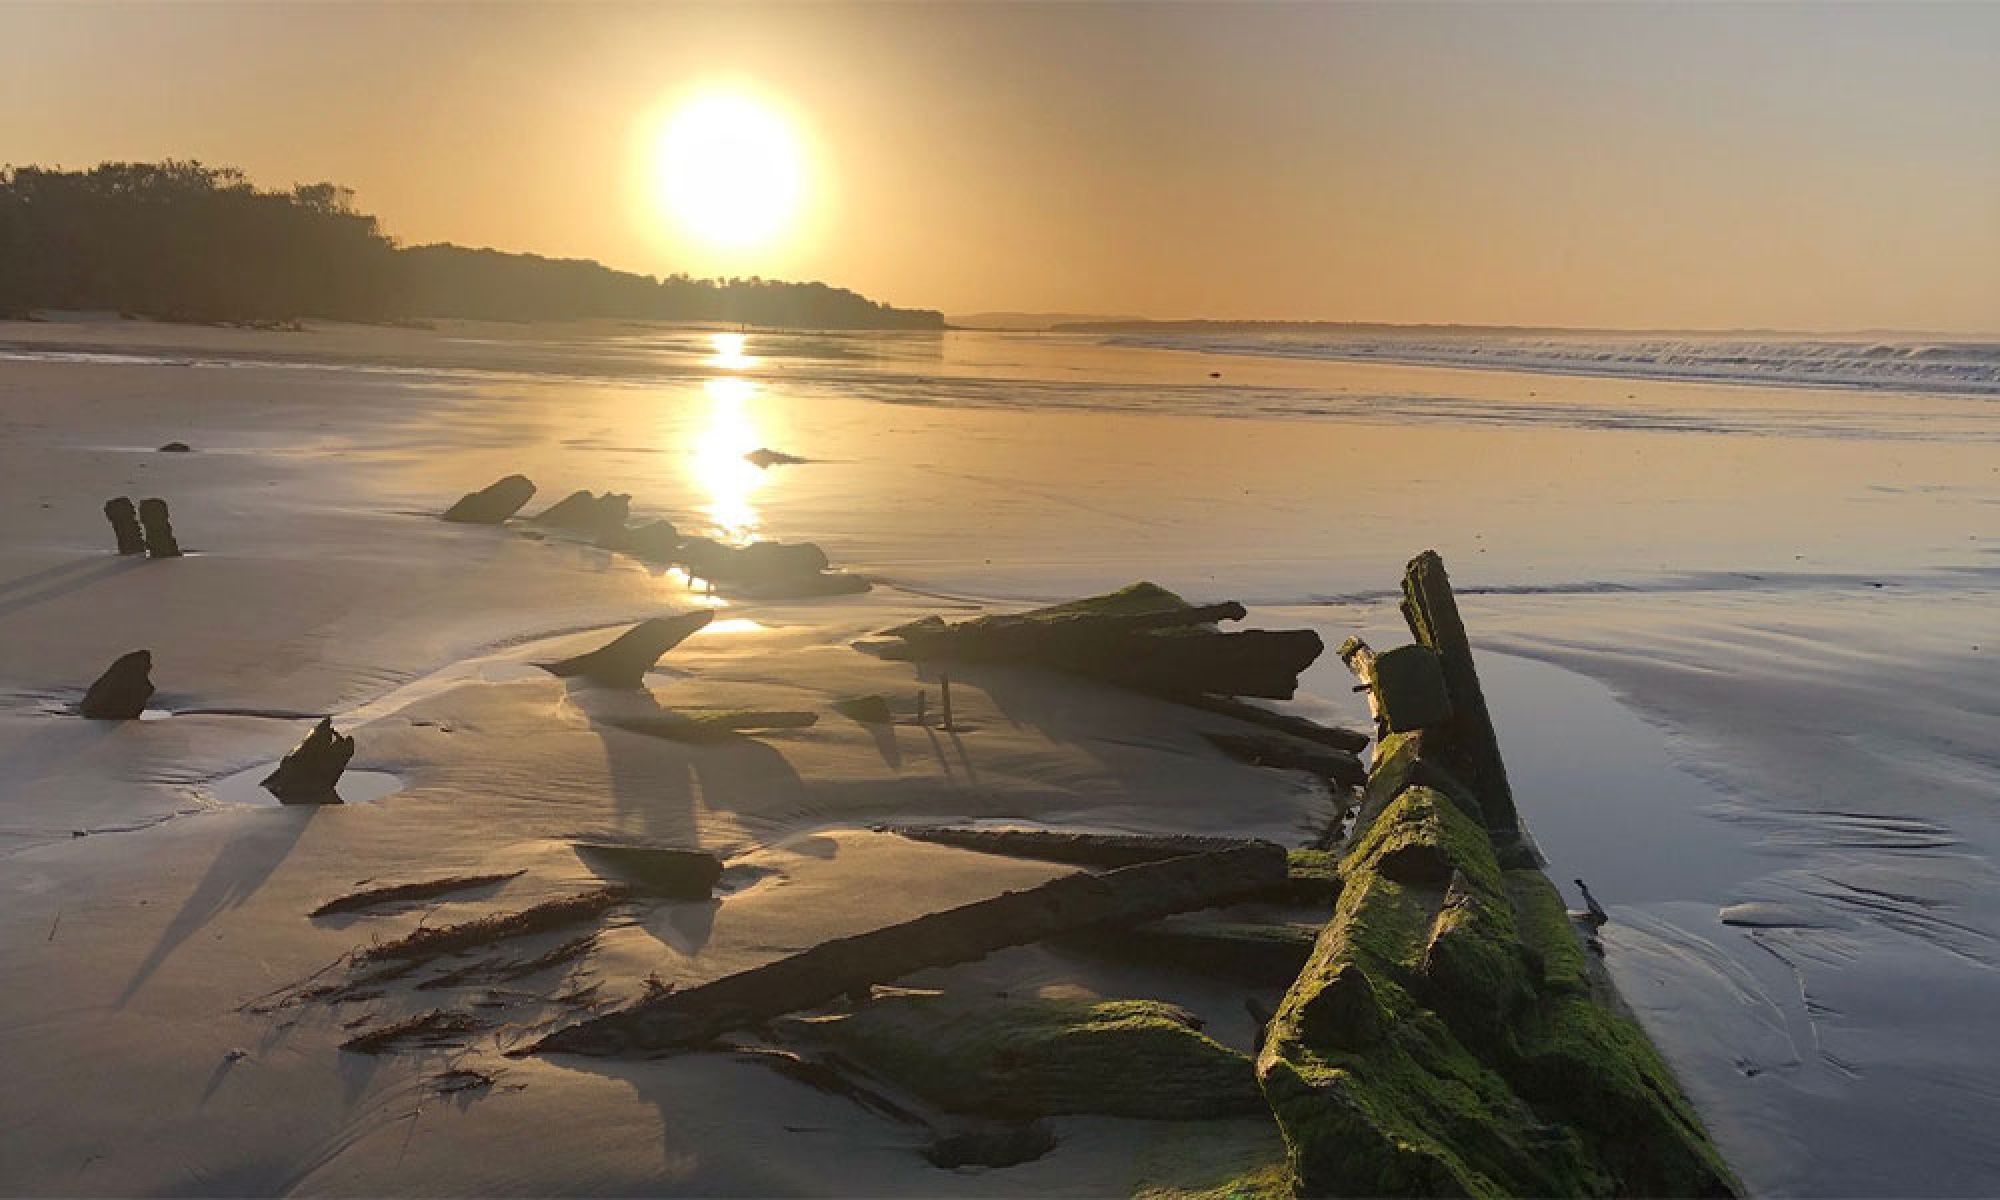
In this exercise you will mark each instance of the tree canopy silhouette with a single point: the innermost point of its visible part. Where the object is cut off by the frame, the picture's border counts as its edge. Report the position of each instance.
(183, 241)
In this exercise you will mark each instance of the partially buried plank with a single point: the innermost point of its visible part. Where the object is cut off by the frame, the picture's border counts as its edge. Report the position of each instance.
(676, 1020)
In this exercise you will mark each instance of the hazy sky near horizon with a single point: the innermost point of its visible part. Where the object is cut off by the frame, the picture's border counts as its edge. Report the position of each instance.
(1797, 166)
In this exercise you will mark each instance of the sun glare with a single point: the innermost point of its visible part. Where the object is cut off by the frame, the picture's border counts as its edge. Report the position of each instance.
(730, 171)
(716, 461)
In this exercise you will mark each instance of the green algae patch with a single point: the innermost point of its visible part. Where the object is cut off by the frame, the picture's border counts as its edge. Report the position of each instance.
(1447, 1039)
(1312, 877)
(1035, 1058)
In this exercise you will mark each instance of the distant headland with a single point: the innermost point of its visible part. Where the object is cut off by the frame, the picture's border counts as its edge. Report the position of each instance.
(181, 241)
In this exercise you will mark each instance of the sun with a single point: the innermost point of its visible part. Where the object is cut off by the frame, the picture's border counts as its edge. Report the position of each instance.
(730, 171)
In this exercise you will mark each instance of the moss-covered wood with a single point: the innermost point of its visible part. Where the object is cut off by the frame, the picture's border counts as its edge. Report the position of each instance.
(1034, 1058)
(1444, 1038)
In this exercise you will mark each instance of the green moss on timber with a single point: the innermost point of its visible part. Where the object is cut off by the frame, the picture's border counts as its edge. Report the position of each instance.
(1596, 1069)
(1423, 832)
(1131, 600)
(1442, 1040)
(1547, 933)
(1312, 877)
(1270, 1182)
(1025, 1059)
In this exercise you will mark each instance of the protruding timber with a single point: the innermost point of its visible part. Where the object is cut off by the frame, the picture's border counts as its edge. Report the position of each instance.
(311, 772)
(493, 503)
(581, 512)
(120, 694)
(1466, 740)
(159, 529)
(124, 518)
(627, 658)
(1143, 637)
(694, 1016)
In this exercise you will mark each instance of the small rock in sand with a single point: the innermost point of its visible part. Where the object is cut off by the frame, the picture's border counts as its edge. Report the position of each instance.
(493, 503)
(309, 774)
(120, 694)
(176, 448)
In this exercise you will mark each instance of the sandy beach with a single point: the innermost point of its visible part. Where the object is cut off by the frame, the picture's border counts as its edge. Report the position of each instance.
(1739, 642)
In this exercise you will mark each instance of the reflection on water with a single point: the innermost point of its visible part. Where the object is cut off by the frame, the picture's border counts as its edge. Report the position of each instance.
(729, 353)
(716, 463)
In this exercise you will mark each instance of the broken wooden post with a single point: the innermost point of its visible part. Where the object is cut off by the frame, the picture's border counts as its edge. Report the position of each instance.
(493, 503)
(120, 694)
(680, 1019)
(944, 690)
(159, 529)
(124, 520)
(624, 661)
(922, 718)
(311, 772)
(1465, 739)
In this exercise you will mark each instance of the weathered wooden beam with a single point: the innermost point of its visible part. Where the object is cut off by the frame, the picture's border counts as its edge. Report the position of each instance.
(1465, 739)
(678, 1020)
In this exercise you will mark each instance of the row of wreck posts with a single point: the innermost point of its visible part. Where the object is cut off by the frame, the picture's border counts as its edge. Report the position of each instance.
(145, 529)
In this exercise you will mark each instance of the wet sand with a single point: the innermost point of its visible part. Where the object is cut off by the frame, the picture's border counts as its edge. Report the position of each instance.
(1727, 632)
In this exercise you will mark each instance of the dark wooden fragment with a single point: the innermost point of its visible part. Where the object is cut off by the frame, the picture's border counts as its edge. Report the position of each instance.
(706, 728)
(659, 870)
(661, 1024)
(1466, 739)
(423, 889)
(1078, 849)
(493, 503)
(1284, 753)
(159, 529)
(624, 661)
(120, 694)
(434, 940)
(310, 774)
(124, 518)
(1350, 740)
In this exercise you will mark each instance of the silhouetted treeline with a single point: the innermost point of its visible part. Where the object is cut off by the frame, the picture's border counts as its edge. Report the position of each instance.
(181, 241)
(447, 280)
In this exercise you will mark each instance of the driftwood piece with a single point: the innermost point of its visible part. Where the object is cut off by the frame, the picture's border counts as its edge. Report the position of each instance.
(706, 728)
(653, 542)
(493, 503)
(659, 870)
(120, 694)
(395, 893)
(124, 518)
(1058, 846)
(582, 512)
(159, 529)
(311, 772)
(1142, 637)
(432, 941)
(675, 1020)
(439, 1027)
(1285, 753)
(1349, 740)
(1465, 740)
(624, 661)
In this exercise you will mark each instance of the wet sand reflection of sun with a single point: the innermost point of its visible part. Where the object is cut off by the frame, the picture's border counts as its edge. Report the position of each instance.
(729, 353)
(716, 463)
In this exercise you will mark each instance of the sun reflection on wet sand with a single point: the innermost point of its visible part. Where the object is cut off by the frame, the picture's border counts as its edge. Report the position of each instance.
(729, 353)
(716, 463)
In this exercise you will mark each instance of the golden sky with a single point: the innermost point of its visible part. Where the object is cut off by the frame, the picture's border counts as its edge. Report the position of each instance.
(1829, 167)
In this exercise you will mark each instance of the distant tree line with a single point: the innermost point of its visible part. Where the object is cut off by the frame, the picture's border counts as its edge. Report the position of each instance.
(182, 241)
